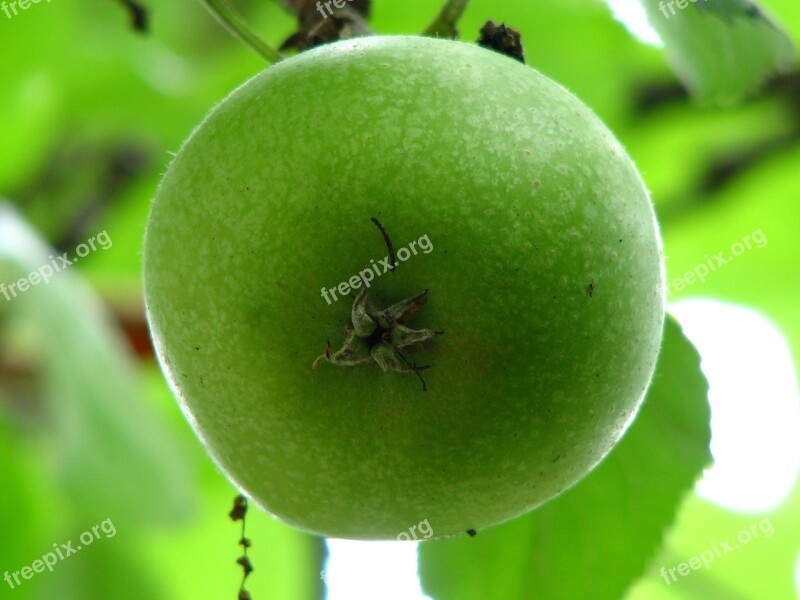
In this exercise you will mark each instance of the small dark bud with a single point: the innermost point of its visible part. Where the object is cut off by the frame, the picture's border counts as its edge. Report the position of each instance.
(239, 508)
(245, 564)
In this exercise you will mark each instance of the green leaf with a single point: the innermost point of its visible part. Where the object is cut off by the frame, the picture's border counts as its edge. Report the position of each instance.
(722, 50)
(107, 570)
(19, 510)
(601, 534)
(111, 455)
(765, 563)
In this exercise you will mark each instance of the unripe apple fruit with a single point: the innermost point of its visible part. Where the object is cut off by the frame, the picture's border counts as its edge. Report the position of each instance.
(501, 194)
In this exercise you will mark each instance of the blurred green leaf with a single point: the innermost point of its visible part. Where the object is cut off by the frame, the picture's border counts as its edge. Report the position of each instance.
(109, 452)
(760, 205)
(107, 570)
(18, 510)
(611, 523)
(765, 563)
(722, 50)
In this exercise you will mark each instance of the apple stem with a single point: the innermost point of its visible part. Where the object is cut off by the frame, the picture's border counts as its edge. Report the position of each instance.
(445, 24)
(240, 29)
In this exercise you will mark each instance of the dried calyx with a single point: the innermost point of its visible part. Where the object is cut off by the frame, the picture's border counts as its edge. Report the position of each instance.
(379, 335)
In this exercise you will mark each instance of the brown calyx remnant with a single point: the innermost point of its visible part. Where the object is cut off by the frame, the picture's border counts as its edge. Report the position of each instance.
(502, 39)
(379, 334)
(323, 22)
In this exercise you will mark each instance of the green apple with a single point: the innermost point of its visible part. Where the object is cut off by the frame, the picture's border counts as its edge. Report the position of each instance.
(501, 194)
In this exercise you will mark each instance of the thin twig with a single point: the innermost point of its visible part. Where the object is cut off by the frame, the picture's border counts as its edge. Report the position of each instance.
(239, 28)
(245, 560)
(445, 24)
(138, 15)
(239, 513)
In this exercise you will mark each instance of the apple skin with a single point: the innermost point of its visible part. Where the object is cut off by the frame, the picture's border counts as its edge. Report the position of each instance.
(546, 277)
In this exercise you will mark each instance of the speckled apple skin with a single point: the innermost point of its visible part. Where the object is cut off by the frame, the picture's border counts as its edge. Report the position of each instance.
(545, 274)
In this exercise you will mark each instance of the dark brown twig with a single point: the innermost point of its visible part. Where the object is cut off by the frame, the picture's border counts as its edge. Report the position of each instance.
(239, 513)
(139, 16)
(320, 23)
(444, 26)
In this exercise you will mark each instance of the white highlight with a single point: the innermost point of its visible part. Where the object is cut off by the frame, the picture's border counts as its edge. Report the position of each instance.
(631, 13)
(369, 570)
(755, 408)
